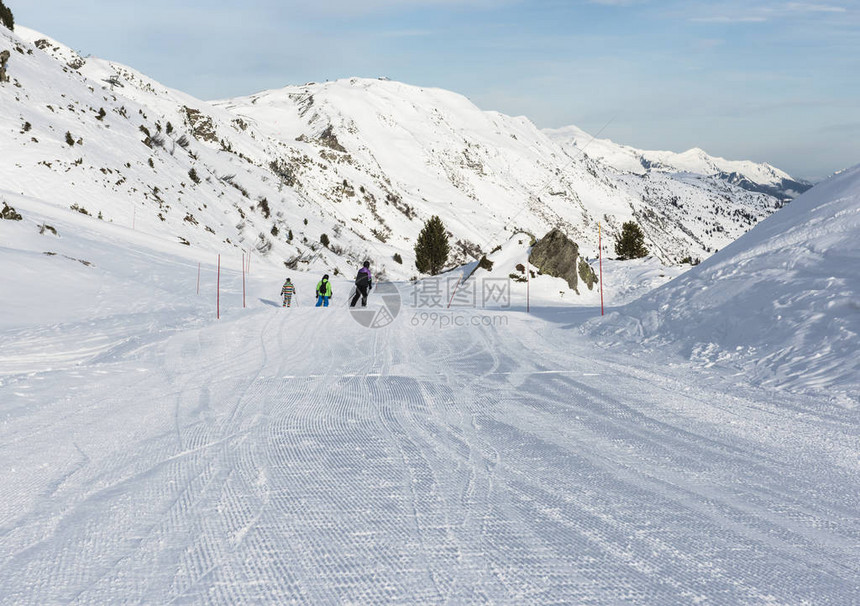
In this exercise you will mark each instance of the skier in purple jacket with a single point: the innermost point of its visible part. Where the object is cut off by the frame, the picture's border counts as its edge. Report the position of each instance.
(363, 284)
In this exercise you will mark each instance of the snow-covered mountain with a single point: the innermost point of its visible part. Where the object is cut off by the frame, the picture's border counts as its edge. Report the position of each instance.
(781, 303)
(364, 162)
(170, 434)
(748, 175)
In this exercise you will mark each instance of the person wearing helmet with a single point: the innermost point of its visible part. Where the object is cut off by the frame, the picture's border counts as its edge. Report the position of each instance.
(363, 284)
(323, 292)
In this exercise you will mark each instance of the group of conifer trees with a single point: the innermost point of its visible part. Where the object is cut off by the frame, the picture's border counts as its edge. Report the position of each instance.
(6, 17)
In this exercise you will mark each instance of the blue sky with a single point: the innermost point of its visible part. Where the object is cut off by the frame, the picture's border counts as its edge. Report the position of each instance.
(767, 81)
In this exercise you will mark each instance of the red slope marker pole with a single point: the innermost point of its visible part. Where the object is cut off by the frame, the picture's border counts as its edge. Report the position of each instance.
(218, 291)
(243, 280)
(600, 255)
(456, 286)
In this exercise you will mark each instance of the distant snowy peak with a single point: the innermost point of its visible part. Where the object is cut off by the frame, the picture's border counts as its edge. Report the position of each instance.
(357, 108)
(752, 176)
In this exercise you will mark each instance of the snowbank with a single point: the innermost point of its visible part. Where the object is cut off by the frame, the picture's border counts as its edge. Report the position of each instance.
(781, 303)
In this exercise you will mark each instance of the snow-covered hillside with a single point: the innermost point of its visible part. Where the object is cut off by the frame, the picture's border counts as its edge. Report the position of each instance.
(781, 303)
(364, 162)
(743, 173)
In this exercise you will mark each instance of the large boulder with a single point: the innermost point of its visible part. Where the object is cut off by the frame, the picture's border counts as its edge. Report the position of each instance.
(556, 255)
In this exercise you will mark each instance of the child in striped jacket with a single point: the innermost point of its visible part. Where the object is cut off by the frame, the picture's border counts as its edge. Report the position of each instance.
(287, 292)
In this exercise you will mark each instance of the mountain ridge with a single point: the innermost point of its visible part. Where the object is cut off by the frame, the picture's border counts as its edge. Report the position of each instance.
(364, 161)
(753, 176)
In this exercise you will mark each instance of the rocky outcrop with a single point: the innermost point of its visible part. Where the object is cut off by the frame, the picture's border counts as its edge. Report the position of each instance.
(201, 125)
(4, 58)
(329, 139)
(556, 255)
(9, 213)
(587, 274)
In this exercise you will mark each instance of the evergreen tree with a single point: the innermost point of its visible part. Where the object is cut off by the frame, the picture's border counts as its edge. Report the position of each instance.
(6, 17)
(431, 251)
(631, 243)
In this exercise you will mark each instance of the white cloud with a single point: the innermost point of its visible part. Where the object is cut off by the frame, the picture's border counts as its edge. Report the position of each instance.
(759, 12)
(352, 7)
(709, 43)
(407, 33)
(813, 7)
(729, 19)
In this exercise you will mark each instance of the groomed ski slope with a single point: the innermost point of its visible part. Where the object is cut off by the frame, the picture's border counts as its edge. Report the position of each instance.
(157, 455)
(295, 456)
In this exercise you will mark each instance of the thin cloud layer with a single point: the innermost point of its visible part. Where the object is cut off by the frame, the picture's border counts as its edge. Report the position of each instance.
(760, 12)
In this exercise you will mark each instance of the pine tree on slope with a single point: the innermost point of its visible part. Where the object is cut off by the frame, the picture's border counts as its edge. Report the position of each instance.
(431, 251)
(631, 243)
(6, 17)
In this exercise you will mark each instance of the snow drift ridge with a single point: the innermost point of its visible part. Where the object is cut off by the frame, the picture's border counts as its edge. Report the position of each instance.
(782, 302)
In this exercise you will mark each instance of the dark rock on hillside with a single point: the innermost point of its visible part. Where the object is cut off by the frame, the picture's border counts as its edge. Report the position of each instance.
(4, 58)
(555, 255)
(10, 213)
(329, 139)
(202, 126)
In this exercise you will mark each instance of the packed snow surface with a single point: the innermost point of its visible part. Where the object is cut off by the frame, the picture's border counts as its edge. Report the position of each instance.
(150, 453)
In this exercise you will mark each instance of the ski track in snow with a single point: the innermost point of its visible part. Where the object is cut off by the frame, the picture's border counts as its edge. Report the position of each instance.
(292, 456)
